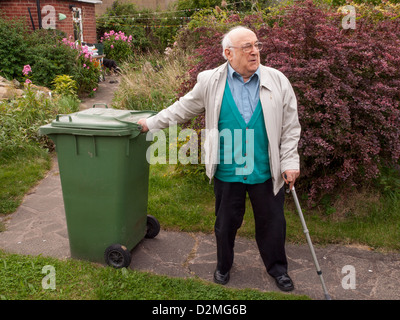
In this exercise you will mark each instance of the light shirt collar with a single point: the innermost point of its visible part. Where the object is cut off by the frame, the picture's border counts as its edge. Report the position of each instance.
(232, 72)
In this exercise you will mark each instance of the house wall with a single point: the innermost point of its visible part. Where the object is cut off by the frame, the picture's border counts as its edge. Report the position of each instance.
(19, 8)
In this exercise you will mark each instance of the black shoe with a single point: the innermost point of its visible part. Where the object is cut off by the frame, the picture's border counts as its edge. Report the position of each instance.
(221, 278)
(284, 282)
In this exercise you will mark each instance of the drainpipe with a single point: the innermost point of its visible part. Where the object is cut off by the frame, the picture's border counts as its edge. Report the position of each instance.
(39, 13)
(30, 15)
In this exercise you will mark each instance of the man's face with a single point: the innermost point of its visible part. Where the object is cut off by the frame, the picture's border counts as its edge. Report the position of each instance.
(243, 63)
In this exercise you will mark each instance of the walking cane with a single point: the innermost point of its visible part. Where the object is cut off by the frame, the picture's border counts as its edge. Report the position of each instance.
(305, 230)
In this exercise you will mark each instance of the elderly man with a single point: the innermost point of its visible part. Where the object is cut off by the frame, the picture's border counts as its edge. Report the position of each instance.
(258, 102)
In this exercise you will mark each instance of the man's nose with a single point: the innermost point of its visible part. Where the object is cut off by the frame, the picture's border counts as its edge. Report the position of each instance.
(254, 51)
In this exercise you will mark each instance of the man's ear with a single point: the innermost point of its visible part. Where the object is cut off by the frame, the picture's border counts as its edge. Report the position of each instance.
(229, 54)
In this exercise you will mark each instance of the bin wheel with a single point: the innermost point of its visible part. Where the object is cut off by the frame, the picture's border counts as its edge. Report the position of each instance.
(117, 256)
(153, 227)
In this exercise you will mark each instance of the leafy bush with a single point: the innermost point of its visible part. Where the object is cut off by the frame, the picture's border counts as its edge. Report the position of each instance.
(13, 47)
(155, 30)
(117, 45)
(346, 82)
(86, 70)
(87, 74)
(380, 12)
(48, 57)
(40, 49)
(234, 5)
(65, 85)
(373, 2)
(115, 19)
(21, 118)
(347, 85)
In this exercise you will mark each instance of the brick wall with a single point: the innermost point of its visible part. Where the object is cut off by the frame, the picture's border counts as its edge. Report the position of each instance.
(19, 8)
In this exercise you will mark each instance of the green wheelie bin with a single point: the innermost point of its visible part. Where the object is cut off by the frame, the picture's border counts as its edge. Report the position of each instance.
(104, 177)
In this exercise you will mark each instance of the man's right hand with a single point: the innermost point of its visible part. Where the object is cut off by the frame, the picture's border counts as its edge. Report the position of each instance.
(290, 177)
(143, 124)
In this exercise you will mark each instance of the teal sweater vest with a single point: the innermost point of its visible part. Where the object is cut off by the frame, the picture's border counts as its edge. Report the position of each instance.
(243, 150)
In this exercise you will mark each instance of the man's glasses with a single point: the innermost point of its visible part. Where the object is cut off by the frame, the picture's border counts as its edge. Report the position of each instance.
(248, 47)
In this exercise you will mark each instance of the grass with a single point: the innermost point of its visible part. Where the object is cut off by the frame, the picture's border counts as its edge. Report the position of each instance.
(150, 82)
(22, 278)
(374, 220)
(189, 211)
(18, 176)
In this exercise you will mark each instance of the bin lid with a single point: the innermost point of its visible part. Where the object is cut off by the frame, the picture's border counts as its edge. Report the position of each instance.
(98, 121)
(102, 119)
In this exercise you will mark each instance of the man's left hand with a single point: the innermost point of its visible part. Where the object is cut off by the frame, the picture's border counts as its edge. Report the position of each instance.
(290, 177)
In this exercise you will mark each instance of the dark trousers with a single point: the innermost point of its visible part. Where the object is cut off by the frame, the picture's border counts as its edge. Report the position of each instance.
(269, 218)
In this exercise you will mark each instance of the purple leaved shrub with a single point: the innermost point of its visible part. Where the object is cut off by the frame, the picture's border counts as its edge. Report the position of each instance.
(347, 82)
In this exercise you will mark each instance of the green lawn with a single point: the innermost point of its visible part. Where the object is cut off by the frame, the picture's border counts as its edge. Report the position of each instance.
(25, 278)
(186, 203)
(18, 176)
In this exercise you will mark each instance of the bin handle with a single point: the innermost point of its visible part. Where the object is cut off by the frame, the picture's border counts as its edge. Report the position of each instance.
(62, 115)
(102, 104)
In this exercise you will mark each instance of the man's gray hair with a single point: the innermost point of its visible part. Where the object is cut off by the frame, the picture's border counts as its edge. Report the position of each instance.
(227, 41)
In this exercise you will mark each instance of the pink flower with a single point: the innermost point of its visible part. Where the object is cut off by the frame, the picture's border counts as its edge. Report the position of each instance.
(27, 81)
(94, 89)
(112, 46)
(27, 69)
(84, 65)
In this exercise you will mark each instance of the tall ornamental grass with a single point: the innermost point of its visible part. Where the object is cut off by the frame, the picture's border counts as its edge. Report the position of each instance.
(150, 82)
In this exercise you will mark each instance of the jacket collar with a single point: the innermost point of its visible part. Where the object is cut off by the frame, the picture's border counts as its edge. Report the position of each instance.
(265, 79)
(222, 70)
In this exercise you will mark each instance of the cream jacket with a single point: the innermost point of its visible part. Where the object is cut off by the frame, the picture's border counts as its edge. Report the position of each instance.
(279, 107)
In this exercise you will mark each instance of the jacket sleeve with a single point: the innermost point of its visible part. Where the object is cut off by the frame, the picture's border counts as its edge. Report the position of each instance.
(183, 110)
(291, 129)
